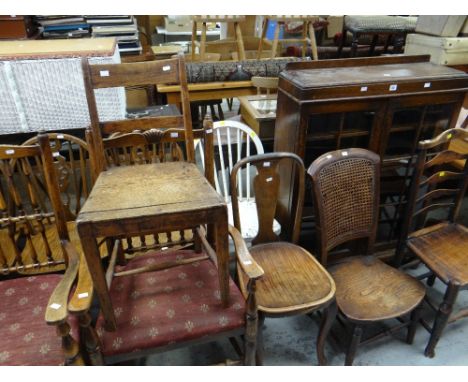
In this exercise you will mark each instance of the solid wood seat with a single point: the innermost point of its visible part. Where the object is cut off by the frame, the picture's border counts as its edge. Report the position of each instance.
(449, 262)
(367, 289)
(281, 293)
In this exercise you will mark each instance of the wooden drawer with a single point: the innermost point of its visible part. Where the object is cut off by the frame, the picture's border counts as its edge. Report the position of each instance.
(13, 27)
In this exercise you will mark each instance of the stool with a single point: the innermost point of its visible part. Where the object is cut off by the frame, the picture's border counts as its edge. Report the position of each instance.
(307, 27)
(214, 19)
(391, 26)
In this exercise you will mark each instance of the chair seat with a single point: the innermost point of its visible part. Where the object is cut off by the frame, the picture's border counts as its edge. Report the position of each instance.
(249, 223)
(26, 339)
(293, 281)
(167, 307)
(384, 24)
(369, 290)
(444, 249)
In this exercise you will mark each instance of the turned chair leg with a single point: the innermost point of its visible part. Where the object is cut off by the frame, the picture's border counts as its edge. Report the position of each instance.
(441, 319)
(260, 349)
(357, 333)
(415, 318)
(325, 326)
(431, 280)
(354, 45)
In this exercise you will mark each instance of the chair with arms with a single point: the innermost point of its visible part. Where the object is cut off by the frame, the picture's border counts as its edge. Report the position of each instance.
(346, 189)
(34, 238)
(441, 245)
(294, 282)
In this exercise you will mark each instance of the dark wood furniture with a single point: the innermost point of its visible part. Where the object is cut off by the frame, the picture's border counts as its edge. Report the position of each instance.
(346, 189)
(432, 231)
(294, 282)
(17, 27)
(384, 104)
(34, 240)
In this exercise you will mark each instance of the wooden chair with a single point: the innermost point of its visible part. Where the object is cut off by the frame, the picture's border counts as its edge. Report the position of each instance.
(346, 200)
(307, 28)
(164, 298)
(170, 71)
(238, 41)
(442, 245)
(34, 237)
(265, 85)
(294, 282)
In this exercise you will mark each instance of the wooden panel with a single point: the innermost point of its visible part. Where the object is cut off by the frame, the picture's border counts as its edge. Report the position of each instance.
(134, 74)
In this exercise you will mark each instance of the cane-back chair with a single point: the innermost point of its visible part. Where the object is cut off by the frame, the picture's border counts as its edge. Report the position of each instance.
(294, 282)
(436, 237)
(34, 237)
(346, 200)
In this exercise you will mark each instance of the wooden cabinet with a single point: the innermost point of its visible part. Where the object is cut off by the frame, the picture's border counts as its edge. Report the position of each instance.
(14, 27)
(385, 104)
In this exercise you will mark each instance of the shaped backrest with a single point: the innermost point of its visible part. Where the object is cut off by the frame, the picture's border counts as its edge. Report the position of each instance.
(346, 198)
(266, 184)
(170, 71)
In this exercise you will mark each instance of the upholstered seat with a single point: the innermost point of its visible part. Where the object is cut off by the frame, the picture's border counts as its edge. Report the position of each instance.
(26, 339)
(167, 307)
(448, 261)
(383, 24)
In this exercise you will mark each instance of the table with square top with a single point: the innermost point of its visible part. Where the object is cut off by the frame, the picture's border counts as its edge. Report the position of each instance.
(145, 199)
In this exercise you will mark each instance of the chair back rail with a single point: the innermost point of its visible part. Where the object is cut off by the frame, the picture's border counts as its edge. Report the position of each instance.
(171, 71)
(345, 189)
(266, 184)
(431, 169)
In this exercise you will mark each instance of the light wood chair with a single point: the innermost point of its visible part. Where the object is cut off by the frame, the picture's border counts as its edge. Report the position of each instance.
(346, 200)
(294, 282)
(238, 41)
(34, 238)
(437, 239)
(265, 85)
(308, 34)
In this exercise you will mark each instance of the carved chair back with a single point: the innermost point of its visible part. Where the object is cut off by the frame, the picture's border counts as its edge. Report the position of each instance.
(346, 198)
(72, 164)
(30, 208)
(266, 185)
(435, 185)
(170, 71)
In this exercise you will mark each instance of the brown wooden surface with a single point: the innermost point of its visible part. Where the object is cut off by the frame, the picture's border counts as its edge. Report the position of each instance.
(278, 292)
(369, 290)
(262, 123)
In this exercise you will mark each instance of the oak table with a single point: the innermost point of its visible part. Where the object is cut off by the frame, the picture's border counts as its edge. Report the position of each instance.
(150, 198)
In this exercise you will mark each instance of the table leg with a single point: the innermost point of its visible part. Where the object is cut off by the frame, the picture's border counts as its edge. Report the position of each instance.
(222, 252)
(93, 260)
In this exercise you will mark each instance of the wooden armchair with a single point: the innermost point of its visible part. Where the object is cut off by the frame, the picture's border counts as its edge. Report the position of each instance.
(294, 281)
(435, 238)
(346, 201)
(34, 239)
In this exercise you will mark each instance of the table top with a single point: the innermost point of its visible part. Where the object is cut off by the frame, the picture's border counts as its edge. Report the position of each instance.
(166, 49)
(148, 190)
(206, 86)
(261, 107)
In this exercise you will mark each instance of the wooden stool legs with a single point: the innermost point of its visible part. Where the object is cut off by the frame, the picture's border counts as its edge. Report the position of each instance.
(415, 318)
(441, 319)
(357, 333)
(260, 348)
(325, 326)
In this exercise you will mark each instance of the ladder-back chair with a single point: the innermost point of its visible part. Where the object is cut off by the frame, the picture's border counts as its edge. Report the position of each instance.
(34, 238)
(435, 237)
(346, 201)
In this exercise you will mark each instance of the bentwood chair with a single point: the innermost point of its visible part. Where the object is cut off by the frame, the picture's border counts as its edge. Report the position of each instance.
(294, 282)
(34, 239)
(346, 201)
(432, 231)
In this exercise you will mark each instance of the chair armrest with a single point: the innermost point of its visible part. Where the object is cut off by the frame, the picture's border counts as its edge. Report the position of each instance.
(247, 263)
(82, 297)
(56, 311)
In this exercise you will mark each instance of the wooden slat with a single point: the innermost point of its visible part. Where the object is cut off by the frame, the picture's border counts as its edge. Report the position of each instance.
(437, 194)
(12, 152)
(446, 156)
(129, 125)
(441, 176)
(433, 207)
(134, 74)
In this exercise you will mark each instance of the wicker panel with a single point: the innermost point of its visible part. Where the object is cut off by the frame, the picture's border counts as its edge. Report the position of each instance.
(347, 188)
(380, 23)
(10, 121)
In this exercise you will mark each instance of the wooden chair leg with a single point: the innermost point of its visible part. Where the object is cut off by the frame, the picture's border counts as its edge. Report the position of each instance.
(356, 338)
(415, 318)
(251, 326)
(342, 42)
(230, 102)
(441, 319)
(431, 280)
(70, 347)
(375, 40)
(90, 340)
(260, 349)
(220, 112)
(325, 326)
(354, 45)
